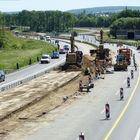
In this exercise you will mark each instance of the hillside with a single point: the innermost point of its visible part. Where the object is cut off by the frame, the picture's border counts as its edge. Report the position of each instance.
(101, 10)
(18, 50)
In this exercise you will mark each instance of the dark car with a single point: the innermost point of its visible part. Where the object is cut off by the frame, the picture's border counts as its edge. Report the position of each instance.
(138, 48)
(66, 47)
(2, 76)
(55, 55)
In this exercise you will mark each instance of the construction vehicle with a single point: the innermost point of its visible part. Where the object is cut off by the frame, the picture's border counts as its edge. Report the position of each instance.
(121, 63)
(127, 53)
(73, 57)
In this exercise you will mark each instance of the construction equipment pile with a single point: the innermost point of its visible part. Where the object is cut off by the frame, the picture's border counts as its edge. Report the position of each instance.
(97, 62)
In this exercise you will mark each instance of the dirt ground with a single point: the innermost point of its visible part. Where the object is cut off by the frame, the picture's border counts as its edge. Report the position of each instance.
(35, 112)
(26, 121)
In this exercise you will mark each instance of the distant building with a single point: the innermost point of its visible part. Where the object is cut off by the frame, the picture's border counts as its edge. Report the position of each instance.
(128, 34)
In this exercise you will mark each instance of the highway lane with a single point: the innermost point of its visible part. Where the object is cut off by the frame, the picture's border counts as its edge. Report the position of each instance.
(87, 115)
(129, 123)
(34, 69)
(27, 71)
(92, 122)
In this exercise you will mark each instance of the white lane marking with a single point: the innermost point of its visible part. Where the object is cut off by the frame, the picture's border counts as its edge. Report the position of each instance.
(137, 137)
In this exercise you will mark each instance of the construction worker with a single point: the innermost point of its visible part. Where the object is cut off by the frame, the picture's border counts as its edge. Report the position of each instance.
(81, 136)
(107, 110)
(121, 94)
(132, 74)
(128, 82)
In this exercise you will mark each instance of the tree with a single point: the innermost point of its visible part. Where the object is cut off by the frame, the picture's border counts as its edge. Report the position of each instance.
(125, 24)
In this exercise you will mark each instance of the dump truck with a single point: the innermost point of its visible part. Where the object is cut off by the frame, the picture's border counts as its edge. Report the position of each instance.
(127, 53)
(121, 63)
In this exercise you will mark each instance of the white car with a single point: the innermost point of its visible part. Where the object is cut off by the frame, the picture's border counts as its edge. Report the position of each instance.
(45, 59)
(48, 38)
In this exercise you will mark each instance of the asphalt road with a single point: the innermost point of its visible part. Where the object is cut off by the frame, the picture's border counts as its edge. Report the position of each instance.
(27, 71)
(33, 69)
(87, 114)
(129, 123)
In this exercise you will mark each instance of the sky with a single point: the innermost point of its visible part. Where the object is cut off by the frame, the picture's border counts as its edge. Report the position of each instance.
(63, 5)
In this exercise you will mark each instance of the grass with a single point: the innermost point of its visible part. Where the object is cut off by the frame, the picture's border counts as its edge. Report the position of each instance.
(18, 50)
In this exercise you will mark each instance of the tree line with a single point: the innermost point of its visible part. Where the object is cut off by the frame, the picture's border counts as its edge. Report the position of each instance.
(49, 21)
(126, 20)
(40, 21)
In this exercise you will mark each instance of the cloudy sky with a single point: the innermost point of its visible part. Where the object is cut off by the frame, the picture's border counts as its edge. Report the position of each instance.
(18, 5)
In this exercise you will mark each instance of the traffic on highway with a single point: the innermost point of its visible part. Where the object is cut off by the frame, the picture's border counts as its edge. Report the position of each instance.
(70, 74)
(108, 115)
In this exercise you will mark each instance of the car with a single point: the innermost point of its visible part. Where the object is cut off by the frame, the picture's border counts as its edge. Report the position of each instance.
(138, 48)
(55, 55)
(45, 59)
(62, 51)
(2, 76)
(48, 38)
(56, 41)
(66, 47)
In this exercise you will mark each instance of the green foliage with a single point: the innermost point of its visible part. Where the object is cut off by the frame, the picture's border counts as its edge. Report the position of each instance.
(89, 20)
(20, 51)
(125, 23)
(129, 13)
(93, 21)
(42, 21)
(57, 21)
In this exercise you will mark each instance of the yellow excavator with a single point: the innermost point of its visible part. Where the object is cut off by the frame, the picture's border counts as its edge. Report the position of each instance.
(73, 57)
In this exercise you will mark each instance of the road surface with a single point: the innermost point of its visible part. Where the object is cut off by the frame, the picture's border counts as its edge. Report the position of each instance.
(87, 114)
(28, 71)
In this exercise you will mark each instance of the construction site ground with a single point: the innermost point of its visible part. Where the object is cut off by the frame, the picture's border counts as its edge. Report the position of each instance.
(45, 111)
(22, 109)
(34, 99)
(31, 101)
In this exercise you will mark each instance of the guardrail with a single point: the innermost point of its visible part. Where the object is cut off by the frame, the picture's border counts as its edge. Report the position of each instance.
(33, 76)
(30, 77)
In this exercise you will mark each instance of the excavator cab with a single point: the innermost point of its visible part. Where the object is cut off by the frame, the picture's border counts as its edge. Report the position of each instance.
(74, 58)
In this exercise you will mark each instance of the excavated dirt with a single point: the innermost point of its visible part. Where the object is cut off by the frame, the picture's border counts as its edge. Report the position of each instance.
(28, 92)
(23, 108)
